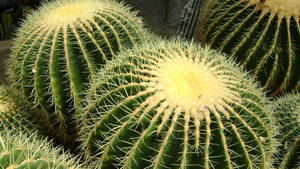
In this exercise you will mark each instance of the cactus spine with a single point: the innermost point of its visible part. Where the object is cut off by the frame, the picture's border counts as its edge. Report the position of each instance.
(176, 105)
(61, 46)
(28, 151)
(287, 113)
(263, 36)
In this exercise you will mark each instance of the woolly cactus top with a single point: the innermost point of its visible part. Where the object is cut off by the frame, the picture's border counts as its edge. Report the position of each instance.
(284, 8)
(72, 12)
(190, 86)
(173, 104)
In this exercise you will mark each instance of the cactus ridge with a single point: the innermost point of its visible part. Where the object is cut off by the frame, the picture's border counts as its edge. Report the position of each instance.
(21, 150)
(172, 105)
(62, 45)
(263, 37)
(287, 112)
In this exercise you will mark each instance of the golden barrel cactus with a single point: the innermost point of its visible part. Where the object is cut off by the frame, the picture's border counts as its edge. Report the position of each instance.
(61, 46)
(176, 105)
(262, 35)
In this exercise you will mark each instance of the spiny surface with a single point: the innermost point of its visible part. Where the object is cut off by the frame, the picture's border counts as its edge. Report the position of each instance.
(263, 36)
(28, 151)
(60, 46)
(287, 115)
(13, 116)
(176, 105)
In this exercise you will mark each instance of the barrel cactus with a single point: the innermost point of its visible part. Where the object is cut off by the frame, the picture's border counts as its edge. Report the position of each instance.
(262, 35)
(28, 151)
(12, 116)
(176, 105)
(59, 48)
(287, 114)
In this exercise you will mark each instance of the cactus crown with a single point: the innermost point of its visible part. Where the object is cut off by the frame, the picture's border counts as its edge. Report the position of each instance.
(172, 104)
(71, 12)
(191, 86)
(284, 8)
(75, 12)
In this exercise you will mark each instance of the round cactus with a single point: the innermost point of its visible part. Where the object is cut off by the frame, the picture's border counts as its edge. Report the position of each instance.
(61, 46)
(30, 152)
(287, 114)
(12, 116)
(262, 35)
(176, 105)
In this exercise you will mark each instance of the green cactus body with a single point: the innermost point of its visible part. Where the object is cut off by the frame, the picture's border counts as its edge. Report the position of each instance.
(176, 105)
(61, 46)
(287, 114)
(23, 151)
(12, 116)
(263, 36)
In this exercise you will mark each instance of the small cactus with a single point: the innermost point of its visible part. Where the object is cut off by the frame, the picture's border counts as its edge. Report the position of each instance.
(28, 151)
(262, 35)
(176, 105)
(287, 114)
(59, 48)
(12, 116)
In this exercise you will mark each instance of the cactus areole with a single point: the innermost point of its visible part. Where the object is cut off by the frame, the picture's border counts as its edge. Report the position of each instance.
(61, 46)
(262, 35)
(176, 105)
